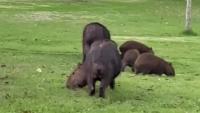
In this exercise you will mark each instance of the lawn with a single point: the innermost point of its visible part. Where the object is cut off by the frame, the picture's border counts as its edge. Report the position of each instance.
(46, 35)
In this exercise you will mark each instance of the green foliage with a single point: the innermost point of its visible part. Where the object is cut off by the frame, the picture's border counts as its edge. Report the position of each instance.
(46, 35)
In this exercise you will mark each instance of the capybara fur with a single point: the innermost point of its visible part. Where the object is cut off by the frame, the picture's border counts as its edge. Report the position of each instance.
(92, 32)
(77, 79)
(148, 63)
(142, 48)
(129, 58)
(103, 63)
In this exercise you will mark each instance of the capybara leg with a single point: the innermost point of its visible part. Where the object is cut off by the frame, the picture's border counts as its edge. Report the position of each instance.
(122, 55)
(112, 84)
(136, 71)
(91, 86)
(144, 72)
(102, 88)
(123, 66)
(133, 70)
(102, 92)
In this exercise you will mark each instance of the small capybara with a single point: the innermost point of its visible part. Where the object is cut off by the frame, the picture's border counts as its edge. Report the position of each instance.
(77, 79)
(148, 63)
(103, 63)
(129, 58)
(134, 45)
(92, 32)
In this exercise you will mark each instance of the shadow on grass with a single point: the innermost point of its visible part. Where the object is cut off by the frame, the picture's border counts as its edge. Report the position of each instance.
(119, 94)
(135, 94)
(189, 33)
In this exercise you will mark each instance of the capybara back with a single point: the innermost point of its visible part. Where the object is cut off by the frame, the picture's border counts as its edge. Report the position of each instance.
(92, 32)
(142, 48)
(148, 63)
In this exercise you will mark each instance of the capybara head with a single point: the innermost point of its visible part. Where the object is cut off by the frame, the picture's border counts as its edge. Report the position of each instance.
(169, 69)
(77, 78)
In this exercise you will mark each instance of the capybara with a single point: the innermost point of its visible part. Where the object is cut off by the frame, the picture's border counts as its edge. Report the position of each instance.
(129, 58)
(92, 32)
(148, 63)
(103, 63)
(142, 48)
(77, 79)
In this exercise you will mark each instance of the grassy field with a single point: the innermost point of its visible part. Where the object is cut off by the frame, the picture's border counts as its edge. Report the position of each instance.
(46, 35)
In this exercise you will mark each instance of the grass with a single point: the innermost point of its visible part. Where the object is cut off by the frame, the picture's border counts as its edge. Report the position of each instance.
(46, 34)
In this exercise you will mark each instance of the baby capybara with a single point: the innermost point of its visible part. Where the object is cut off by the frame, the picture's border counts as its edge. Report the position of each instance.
(77, 79)
(142, 48)
(103, 63)
(148, 63)
(92, 32)
(129, 58)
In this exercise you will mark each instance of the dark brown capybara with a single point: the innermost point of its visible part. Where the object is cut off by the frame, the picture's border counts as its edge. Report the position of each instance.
(103, 63)
(78, 78)
(148, 63)
(92, 32)
(142, 48)
(129, 58)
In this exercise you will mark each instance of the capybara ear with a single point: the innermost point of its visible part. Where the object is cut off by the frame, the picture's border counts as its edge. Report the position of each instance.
(170, 63)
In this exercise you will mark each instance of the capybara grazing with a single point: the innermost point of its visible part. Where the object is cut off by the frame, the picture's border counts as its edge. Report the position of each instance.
(134, 45)
(77, 79)
(92, 32)
(148, 63)
(129, 58)
(103, 63)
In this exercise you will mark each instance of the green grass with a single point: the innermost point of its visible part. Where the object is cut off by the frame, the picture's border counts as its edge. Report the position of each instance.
(46, 34)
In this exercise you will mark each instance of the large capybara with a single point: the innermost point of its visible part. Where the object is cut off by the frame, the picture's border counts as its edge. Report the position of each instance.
(142, 48)
(92, 32)
(103, 63)
(148, 63)
(77, 79)
(129, 58)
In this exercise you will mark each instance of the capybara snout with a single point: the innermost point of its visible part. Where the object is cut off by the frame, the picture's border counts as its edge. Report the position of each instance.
(170, 70)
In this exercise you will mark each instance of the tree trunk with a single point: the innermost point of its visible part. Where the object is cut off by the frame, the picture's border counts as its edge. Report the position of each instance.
(188, 16)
